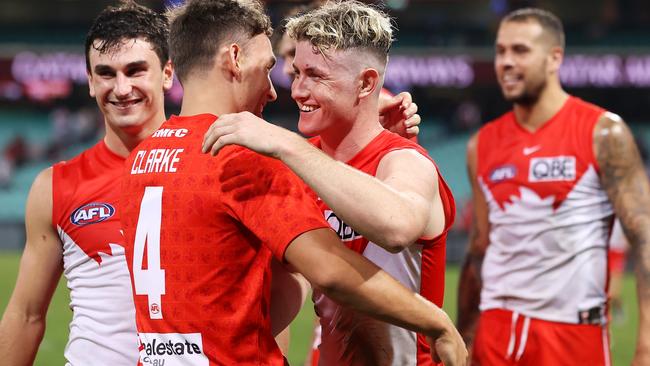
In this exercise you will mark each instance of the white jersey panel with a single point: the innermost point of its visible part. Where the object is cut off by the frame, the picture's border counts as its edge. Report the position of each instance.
(390, 345)
(94, 288)
(545, 262)
(617, 240)
(406, 267)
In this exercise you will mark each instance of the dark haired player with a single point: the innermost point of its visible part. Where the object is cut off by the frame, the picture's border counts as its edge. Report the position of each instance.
(201, 231)
(72, 218)
(547, 179)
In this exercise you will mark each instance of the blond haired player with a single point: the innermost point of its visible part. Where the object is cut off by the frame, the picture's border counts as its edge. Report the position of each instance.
(381, 193)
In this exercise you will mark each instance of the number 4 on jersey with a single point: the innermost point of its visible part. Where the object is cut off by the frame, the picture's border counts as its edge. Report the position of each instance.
(150, 281)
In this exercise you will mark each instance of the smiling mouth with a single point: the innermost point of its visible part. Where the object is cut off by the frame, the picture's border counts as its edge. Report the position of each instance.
(125, 103)
(511, 79)
(308, 108)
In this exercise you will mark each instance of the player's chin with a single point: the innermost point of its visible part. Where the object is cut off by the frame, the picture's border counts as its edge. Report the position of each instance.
(127, 121)
(307, 126)
(511, 96)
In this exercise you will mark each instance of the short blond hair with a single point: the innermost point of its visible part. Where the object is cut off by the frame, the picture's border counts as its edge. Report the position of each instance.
(343, 25)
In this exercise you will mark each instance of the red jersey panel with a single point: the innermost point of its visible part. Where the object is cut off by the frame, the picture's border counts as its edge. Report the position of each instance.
(350, 338)
(85, 192)
(200, 233)
(549, 216)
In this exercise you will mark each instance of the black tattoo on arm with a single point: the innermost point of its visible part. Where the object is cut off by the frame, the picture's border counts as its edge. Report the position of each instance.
(624, 179)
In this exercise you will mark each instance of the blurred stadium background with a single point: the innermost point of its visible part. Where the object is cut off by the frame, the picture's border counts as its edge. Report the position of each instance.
(443, 56)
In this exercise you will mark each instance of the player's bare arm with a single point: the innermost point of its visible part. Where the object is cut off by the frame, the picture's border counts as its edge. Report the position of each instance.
(397, 206)
(624, 179)
(288, 293)
(23, 322)
(469, 287)
(353, 281)
(289, 290)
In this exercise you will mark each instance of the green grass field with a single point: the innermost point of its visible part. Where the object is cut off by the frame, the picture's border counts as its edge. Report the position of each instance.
(51, 350)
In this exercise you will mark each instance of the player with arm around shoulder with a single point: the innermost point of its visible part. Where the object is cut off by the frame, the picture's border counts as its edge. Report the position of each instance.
(381, 193)
(200, 231)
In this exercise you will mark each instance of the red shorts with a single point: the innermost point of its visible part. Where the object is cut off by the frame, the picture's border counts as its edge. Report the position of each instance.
(616, 260)
(315, 354)
(507, 338)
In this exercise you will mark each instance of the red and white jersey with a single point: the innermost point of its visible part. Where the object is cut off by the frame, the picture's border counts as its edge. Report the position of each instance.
(200, 233)
(85, 191)
(351, 338)
(549, 216)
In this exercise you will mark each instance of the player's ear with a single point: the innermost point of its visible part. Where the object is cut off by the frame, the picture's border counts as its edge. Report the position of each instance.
(234, 59)
(168, 76)
(369, 80)
(91, 88)
(556, 55)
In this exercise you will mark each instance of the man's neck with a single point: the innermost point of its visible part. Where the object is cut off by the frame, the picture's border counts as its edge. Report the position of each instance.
(533, 116)
(123, 142)
(202, 96)
(346, 139)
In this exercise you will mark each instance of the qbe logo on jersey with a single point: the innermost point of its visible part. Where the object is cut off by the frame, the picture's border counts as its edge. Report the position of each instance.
(172, 349)
(345, 232)
(552, 169)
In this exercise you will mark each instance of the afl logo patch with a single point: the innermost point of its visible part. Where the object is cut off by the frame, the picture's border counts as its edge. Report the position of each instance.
(92, 213)
(502, 173)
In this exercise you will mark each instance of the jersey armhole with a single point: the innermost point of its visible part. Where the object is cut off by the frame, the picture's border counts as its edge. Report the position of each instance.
(57, 196)
(592, 144)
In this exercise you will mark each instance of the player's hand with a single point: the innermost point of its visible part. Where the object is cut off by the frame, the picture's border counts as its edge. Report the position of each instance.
(245, 129)
(449, 348)
(398, 114)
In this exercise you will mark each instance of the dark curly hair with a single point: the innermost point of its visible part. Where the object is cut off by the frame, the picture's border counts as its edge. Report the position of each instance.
(127, 21)
(200, 27)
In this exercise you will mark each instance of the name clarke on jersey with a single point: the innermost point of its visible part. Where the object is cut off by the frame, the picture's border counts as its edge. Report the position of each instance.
(156, 161)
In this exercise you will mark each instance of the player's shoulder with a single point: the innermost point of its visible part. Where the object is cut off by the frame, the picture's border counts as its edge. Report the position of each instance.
(492, 131)
(87, 155)
(42, 187)
(43, 180)
(388, 143)
(611, 127)
(246, 159)
(584, 106)
(497, 123)
(398, 151)
(255, 174)
(472, 143)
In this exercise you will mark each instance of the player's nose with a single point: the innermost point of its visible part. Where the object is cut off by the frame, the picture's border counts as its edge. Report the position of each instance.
(298, 89)
(122, 85)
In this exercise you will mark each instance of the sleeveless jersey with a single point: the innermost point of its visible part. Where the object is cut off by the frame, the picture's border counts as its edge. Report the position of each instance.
(200, 232)
(351, 338)
(549, 216)
(85, 192)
